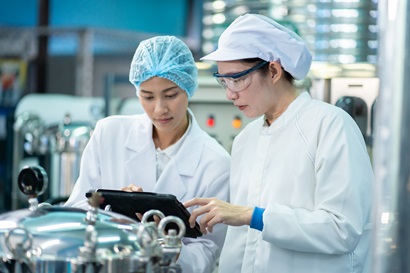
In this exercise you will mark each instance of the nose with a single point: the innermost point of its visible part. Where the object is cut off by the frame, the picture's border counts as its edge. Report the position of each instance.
(161, 107)
(230, 95)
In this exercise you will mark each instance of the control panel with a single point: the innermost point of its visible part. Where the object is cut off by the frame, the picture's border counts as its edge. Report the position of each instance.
(215, 114)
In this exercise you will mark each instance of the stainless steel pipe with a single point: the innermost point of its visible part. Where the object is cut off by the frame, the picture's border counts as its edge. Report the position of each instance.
(391, 156)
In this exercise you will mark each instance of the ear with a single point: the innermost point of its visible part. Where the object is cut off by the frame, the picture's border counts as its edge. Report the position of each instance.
(275, 71)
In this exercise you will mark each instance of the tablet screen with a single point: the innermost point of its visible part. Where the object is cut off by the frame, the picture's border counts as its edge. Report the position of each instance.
(129, 203)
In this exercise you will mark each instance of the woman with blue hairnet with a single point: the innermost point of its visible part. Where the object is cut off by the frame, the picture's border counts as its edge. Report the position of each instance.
(301, 178)
(163, 150)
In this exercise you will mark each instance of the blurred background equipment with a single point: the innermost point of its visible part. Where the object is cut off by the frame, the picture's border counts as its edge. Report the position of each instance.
(337, 31)
(52, 130)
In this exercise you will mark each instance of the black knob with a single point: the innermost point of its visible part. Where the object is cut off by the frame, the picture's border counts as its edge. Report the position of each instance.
(354, 106)
(33, 180)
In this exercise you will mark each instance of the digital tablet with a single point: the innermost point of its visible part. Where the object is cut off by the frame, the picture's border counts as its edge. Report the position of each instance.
(128, 203)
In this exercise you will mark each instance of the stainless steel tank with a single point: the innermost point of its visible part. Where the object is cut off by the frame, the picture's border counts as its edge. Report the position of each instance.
(45, 238)
(57, 147)
(68, 141)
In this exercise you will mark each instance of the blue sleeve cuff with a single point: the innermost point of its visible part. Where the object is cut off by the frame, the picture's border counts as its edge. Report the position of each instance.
(257, 218)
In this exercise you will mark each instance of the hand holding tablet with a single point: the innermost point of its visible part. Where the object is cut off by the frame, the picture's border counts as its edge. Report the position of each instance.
(130, 203)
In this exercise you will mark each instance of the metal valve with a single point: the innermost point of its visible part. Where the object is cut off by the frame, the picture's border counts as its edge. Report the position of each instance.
(172, 243)
(33, 181)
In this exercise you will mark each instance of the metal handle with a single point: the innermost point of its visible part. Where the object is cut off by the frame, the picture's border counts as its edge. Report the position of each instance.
(27, 239)
(150, 213)
(147, 238)
(172, 219)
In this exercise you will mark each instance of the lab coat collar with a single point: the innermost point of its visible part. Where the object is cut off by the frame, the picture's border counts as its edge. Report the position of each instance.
(140, 164)
(141, 130)
(188, 157)
(140, 134)
(290, 113)
(170, 181)
(184, 163)
(142, 152)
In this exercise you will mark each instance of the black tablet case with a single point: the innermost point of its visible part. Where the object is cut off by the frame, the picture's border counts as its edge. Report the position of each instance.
(128, 203)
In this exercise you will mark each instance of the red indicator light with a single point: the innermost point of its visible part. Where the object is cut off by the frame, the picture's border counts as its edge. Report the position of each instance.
(210, 122)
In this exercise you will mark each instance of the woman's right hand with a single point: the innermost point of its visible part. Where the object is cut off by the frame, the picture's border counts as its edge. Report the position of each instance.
(131, 188)
(134, 188)
(216, 212)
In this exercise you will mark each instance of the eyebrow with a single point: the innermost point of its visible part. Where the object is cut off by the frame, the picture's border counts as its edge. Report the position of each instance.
(162, 91)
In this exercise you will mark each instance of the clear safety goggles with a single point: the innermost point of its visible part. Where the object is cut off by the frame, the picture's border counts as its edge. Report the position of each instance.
(238, 81)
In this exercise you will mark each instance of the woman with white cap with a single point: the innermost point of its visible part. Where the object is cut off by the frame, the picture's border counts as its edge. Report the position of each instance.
(163, 150)
(301, 178)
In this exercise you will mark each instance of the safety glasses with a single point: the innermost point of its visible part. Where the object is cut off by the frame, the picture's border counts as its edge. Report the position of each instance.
(238, 81)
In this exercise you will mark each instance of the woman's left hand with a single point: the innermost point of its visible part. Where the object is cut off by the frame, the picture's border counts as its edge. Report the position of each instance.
(132, 188)
(216, 212)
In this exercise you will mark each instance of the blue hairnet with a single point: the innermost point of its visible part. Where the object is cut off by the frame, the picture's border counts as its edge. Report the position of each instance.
(166, 57)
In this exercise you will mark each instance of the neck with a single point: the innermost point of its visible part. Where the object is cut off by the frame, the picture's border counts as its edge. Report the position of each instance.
(163, 140)
(286, 98)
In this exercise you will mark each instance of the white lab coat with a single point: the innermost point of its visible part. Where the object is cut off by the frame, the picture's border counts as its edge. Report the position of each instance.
(311, 171)
(121, 151)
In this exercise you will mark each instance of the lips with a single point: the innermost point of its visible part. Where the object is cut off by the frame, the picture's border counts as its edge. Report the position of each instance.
(240, 107)
(164, 120)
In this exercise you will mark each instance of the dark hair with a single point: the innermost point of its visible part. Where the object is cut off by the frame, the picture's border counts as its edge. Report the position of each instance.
(265, 69)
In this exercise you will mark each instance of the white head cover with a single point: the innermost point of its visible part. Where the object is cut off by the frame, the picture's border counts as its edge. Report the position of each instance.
(257, 36)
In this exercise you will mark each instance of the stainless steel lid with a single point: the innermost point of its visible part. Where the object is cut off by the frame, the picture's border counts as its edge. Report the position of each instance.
(45, 238)
(59, 233)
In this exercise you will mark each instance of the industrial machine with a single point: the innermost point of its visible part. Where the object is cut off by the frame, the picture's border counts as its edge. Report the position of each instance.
(52, 131)
(215, 114)
(357, 97)
(46, 238)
